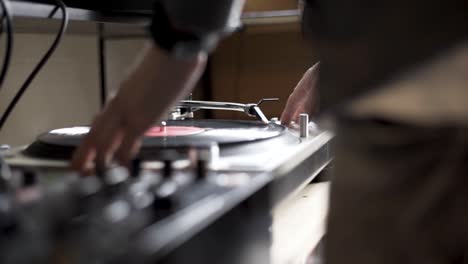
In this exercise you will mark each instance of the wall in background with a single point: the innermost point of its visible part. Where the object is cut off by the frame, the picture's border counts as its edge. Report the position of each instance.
(260, 62)
(65, 93)
(121, 55)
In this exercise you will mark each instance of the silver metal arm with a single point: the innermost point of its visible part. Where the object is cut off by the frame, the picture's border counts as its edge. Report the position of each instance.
(197, 105)
(250, 109)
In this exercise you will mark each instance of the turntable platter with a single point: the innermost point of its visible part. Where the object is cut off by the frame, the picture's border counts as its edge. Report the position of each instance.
(60, 143)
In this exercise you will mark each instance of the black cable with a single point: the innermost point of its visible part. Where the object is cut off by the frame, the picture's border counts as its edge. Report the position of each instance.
(53, 12)
(102, 65)
(40, 65)
(51, 15)
(9, 41)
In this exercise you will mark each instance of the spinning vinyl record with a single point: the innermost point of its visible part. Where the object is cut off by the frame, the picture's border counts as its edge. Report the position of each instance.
(60, 143)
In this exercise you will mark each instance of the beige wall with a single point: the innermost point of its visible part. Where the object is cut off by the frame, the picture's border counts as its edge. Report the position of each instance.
(66, 92)
(121, 55)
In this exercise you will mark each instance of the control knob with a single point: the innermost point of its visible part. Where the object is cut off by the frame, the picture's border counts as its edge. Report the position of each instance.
(164, 197)
(204, 158)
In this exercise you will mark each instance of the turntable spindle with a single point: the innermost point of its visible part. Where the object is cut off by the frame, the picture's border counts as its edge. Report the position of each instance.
(163, 128)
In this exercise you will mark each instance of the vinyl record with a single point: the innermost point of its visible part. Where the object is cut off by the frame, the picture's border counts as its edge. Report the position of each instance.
(60, 143)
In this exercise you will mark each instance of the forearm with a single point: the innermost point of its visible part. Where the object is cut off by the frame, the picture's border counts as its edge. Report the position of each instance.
(175, 76)
(167, 70)
(165, 79)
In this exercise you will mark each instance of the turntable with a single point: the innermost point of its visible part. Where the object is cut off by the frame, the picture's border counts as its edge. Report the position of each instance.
(201, 191)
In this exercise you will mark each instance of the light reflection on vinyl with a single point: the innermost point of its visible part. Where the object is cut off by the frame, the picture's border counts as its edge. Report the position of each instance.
(71, 131)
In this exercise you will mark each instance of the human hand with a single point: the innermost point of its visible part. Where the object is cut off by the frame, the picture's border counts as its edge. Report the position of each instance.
(156, 84)
(304, 97)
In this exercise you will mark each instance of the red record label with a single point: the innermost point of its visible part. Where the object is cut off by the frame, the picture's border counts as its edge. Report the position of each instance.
(173, 131)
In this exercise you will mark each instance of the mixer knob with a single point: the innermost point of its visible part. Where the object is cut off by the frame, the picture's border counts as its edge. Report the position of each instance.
(29, 179)
(4, 148)
(140, 195)
(5, 176)
(135, 169)
(168, 170)
(8, 217)
(204, 158)
(30, 190)
(202, 169)
(87, 186)
(168, 157)
(164, 199)
(114, 180)
(117, 211)
(115, 176)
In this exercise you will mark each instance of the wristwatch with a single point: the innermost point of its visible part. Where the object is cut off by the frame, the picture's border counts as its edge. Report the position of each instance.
(175, 41)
